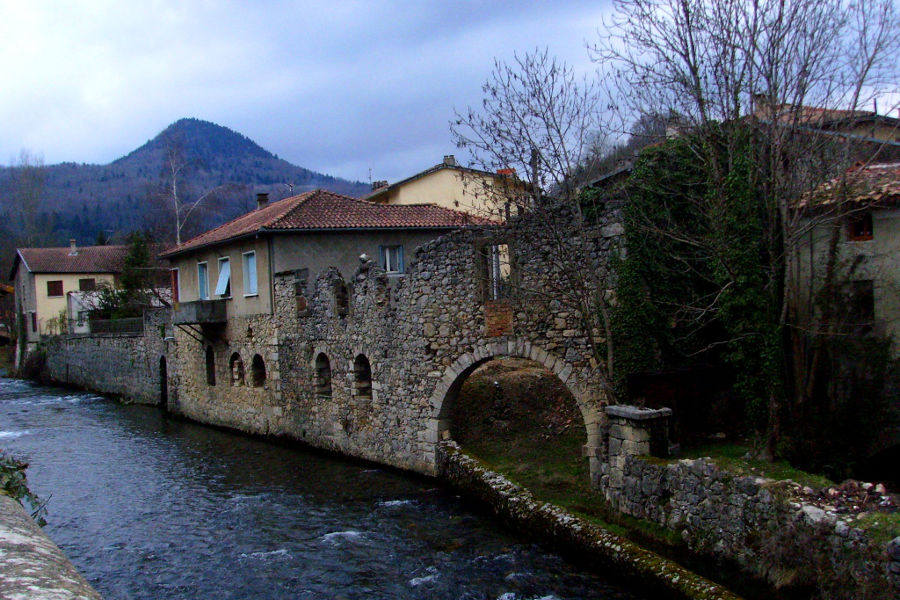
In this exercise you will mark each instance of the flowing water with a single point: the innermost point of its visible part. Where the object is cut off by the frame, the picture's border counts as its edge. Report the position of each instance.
(149, 507)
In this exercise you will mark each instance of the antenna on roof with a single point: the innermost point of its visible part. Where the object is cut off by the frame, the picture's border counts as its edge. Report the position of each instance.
(370, 176)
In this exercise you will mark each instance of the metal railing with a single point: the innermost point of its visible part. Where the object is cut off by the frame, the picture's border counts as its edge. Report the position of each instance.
(133, 325)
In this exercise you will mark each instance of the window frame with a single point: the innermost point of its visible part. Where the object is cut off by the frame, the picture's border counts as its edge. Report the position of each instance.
(865, 223)
(62, 291)
(175, 282)
(384, 252)
(201, 293)
(245, 262)
(227, 291)
(89, 288)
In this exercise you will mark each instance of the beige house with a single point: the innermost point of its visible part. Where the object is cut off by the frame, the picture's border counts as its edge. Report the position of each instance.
(455, 187)
(865, 204)
(43, 277)
(235, 263)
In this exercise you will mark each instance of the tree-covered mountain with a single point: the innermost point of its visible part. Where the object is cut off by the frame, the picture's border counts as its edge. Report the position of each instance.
(48, 205)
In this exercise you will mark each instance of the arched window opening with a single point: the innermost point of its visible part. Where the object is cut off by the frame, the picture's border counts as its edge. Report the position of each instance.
(323, 376)
(341, 299)
(210, 366)
(362, 378)
(257, 371)
(236, 368)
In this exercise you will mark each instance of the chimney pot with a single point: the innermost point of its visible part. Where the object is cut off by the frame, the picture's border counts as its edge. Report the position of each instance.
(449, 160)
(73, 249)
(262, 199)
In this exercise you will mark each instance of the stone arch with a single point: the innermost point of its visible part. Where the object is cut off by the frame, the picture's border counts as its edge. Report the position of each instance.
(323, 375)
(257, 371)
(590, 404)
(210, 366)
(362, 377)
(236, 369)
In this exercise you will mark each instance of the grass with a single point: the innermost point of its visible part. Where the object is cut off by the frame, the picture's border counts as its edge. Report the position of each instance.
(732, 458)
(881, 526)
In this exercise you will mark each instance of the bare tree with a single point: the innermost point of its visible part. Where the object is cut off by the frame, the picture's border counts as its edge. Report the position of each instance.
(28, 174)
(176, 195)
(537, 123)
(786, 74)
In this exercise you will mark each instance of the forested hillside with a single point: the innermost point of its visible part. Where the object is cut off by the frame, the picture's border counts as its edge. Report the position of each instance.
(44, 205)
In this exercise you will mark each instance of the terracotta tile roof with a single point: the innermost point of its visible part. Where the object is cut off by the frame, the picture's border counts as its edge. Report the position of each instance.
(323, 210)
(87, 259)
(876, 184)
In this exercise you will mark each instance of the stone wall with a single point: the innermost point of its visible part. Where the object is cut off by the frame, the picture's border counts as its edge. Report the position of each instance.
(120, 364)
(767, 527)
(32, 566)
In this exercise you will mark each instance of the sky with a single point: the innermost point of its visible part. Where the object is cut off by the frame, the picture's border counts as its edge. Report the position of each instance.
(351, 89)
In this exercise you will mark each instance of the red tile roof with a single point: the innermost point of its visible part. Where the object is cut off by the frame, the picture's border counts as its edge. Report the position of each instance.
(323, 210)
(86, 259)
(876, 184)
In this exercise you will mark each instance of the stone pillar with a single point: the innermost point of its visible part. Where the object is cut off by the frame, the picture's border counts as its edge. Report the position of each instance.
(633, 431)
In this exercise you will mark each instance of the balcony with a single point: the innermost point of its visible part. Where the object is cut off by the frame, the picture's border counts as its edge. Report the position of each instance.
(201, 312)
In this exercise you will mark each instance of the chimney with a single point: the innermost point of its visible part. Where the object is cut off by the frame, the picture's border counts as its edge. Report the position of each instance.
(73, 249)
(262, 200)
(449, 160)
(377, 185)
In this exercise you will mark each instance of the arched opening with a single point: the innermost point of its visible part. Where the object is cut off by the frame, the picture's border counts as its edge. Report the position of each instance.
(521, 419)
(210, 366)
(257, 371)
(341, 299)
(362, 378)
(163, 383)
(323, 376)
(236, 368)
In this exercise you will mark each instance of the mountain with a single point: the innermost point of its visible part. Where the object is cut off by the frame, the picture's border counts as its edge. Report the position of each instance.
(82, 200)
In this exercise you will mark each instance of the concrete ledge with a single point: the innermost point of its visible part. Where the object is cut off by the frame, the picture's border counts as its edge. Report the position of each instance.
(31, 566)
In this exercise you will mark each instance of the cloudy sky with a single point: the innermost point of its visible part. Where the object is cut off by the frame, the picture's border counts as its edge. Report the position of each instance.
(340, 87)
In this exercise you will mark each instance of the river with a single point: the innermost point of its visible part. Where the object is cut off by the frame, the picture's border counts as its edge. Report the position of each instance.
(150, 507)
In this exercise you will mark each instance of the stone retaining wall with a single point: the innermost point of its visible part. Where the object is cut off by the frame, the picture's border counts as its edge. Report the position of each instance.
(31, 565)
(120, 364)
(765, 526)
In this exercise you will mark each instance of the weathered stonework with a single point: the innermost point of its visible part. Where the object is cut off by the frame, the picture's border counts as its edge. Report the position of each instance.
(761, 524)
(127, 365)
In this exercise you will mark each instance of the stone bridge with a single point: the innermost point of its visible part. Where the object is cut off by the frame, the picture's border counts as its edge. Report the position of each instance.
(370, 367)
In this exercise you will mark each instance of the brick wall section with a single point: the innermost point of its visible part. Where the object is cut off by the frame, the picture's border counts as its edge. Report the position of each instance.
(124, 365)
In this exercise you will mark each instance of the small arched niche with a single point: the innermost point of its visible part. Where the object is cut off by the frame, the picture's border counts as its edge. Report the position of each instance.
(236, 368)
(323, 376)
(210, 366)
(362, 378)
(257, 371)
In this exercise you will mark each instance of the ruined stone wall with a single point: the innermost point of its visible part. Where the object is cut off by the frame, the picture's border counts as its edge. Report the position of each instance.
(776, 530)
(422, 335)
(121, 364)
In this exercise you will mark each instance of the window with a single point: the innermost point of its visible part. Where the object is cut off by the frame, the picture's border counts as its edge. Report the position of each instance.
(237, 369)
(82, 317)
(176, 284)
(54, 288)
(250, 287)
(323, 376)
(202, 281)
(496, 271)
(210, 366)
(859, 227)
(87, 285)
(223, 285)
(391, 258)
(257, 371)
(34, 322)
(362, 378)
